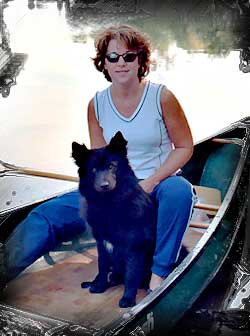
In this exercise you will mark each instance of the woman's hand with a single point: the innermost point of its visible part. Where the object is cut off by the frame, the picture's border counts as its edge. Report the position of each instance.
(147, 185)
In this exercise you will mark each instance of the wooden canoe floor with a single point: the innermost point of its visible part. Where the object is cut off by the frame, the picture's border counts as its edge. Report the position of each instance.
(55, 290)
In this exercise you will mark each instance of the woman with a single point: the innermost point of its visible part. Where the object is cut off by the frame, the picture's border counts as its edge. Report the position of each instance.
(159, 144)
(159, 139)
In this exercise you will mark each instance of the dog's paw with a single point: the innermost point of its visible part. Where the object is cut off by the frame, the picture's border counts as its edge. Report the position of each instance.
(126, 302)
(98, 288)
(94, 287)
(86, 284)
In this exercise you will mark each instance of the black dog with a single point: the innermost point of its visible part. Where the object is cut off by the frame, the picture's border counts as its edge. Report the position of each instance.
(121, 215)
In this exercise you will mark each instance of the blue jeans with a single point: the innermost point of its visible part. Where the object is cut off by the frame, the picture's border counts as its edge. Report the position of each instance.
(175, 199)
(46, 226)
(58, 220)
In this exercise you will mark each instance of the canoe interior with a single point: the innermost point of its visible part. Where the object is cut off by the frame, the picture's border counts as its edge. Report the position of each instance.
(54, 290)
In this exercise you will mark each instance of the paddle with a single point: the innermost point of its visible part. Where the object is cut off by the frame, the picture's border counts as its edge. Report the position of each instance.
(11, 168)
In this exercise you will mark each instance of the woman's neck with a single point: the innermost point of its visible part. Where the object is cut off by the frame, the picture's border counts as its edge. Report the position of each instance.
(120, 91)
(126, 98)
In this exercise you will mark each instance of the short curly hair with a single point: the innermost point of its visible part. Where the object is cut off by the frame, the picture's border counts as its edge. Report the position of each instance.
(133, 38)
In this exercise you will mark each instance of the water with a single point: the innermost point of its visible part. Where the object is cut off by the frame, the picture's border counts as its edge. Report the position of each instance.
(46, 110)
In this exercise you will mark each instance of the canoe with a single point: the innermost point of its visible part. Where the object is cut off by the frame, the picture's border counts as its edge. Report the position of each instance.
(46, 299)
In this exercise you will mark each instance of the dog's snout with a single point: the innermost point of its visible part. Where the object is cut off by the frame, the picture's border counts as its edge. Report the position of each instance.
(104, 182)
(104, 185)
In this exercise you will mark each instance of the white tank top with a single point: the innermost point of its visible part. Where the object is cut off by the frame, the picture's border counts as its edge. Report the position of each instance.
(148, 142)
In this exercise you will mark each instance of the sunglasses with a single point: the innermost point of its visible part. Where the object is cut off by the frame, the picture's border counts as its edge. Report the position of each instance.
(128, 57)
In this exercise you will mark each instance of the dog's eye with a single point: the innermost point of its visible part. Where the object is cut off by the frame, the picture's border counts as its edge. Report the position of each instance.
(112, 166)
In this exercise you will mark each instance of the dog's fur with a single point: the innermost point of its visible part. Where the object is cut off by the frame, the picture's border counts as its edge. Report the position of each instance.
(121, 215)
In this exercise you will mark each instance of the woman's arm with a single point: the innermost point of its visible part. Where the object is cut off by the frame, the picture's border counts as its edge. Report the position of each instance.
(95, 130)
(180, 135)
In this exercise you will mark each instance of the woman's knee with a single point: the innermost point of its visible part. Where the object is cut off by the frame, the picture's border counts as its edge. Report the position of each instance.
(59, 216)
(175, 189)
(61, 206)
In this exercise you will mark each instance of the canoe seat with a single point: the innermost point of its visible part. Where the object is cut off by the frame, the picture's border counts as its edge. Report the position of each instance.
(209, 201)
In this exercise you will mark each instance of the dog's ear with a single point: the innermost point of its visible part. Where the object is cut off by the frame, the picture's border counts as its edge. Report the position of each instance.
(118, 144)
(79, 153)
